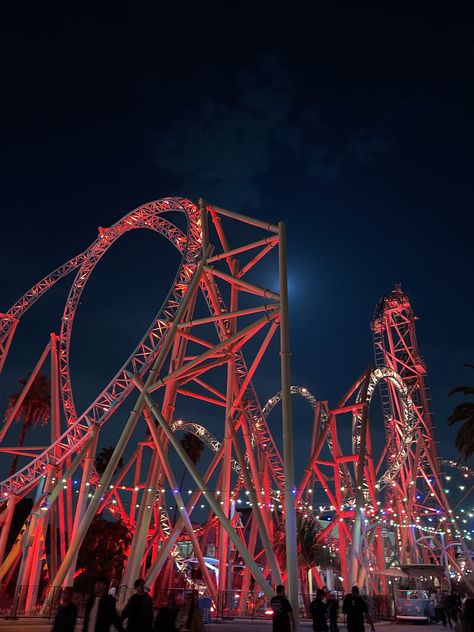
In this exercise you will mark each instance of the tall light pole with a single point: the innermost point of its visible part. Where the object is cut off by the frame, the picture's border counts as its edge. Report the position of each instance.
(287, 420)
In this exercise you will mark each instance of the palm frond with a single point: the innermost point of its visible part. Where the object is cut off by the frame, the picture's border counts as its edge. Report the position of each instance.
(464, 414)
(465, 390)
(193, 446)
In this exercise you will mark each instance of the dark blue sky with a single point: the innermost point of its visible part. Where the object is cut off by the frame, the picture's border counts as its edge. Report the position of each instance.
(354, 126)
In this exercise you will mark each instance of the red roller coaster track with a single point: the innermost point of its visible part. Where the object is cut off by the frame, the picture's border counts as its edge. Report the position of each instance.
(380, 505)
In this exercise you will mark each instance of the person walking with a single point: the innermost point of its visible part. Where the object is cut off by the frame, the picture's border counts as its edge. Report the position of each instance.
(333, 608)
(65, 619)
(189, 618)
(318, 610)
(438, 604)
(453, 604)
(466, 619)
(166, 617)
(445, 604)
(282, 618)
(100, 611)
(355, 608)
(139, 610)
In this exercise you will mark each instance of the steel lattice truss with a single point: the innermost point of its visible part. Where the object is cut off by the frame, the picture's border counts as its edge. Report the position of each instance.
(202, 347)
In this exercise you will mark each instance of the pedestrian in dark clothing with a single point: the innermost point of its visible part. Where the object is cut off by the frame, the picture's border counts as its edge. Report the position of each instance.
(66, 616)
(189, 618)
(445, 604)
(333, 607)
(318, 610)
(100, 612)
(166, 617)
(355, 608)
(438, 603)
(282, 612)
(139, 610)
(454, 605)
(467, 616)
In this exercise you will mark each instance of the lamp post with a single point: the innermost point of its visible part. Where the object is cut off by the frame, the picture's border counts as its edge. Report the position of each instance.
(287, 420)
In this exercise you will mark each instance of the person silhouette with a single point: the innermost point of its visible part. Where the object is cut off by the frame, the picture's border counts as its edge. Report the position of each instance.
(355, 608)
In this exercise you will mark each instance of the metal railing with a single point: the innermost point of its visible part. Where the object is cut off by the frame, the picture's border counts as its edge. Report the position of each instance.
(233, 604)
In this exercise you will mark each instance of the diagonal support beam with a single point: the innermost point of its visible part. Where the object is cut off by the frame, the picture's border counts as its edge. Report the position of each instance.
(209, 496)
(126, 435)
(221, 346)
(181, 506)
(242, 285)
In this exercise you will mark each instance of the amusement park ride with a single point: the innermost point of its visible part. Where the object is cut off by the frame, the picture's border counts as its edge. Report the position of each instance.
(379, 506)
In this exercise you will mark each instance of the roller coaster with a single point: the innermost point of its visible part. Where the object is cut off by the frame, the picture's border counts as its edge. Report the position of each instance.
(376, 505)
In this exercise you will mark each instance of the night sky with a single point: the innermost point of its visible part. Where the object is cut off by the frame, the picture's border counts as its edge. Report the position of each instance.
(355, 127)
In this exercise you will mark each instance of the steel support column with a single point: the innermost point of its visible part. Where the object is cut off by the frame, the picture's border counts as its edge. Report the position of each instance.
(287, 420)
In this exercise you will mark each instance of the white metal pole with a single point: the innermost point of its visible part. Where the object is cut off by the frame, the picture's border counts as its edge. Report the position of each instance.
(287, 420)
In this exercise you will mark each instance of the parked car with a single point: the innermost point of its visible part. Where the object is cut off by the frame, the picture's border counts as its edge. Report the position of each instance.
(414, 605)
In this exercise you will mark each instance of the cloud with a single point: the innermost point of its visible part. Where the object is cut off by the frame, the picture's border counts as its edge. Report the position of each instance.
(366, 145)
(225, 144)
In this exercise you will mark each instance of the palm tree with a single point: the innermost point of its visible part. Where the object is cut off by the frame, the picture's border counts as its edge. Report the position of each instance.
(102, 460)
(193, 446)
(464, 412)
(104, 551)
(34, 409)
(310, 552)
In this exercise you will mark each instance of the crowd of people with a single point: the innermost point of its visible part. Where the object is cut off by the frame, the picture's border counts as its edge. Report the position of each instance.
(450, 609)
(101, 613)
(324, 610)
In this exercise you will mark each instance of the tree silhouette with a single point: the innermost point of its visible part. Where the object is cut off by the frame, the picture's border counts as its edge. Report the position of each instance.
(193, 447)
(310, 552)
(103, 552)
(464, 413)
(35, 408)
(102, 460)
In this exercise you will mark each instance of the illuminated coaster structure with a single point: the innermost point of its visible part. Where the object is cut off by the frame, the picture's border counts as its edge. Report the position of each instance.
(193, 350)
(426, 525)
(378, 505)
(385, 504)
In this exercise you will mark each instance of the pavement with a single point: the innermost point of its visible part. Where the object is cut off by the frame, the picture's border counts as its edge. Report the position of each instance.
(244, 625)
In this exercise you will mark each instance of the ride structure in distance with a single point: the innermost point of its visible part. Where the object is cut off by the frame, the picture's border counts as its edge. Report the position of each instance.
(375, 505)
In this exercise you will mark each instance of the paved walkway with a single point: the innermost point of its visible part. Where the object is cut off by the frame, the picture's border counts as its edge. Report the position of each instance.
(38, 625)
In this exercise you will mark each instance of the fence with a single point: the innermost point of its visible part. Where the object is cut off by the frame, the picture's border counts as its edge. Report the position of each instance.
(230, 604)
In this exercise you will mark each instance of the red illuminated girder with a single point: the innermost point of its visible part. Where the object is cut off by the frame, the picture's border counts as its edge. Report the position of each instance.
(147, 216)
(67, 445)
(419, 483)
(10, 320)
(78, 442)
(395, 345)
(28, 299)
(253, 409)
(8, 325)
